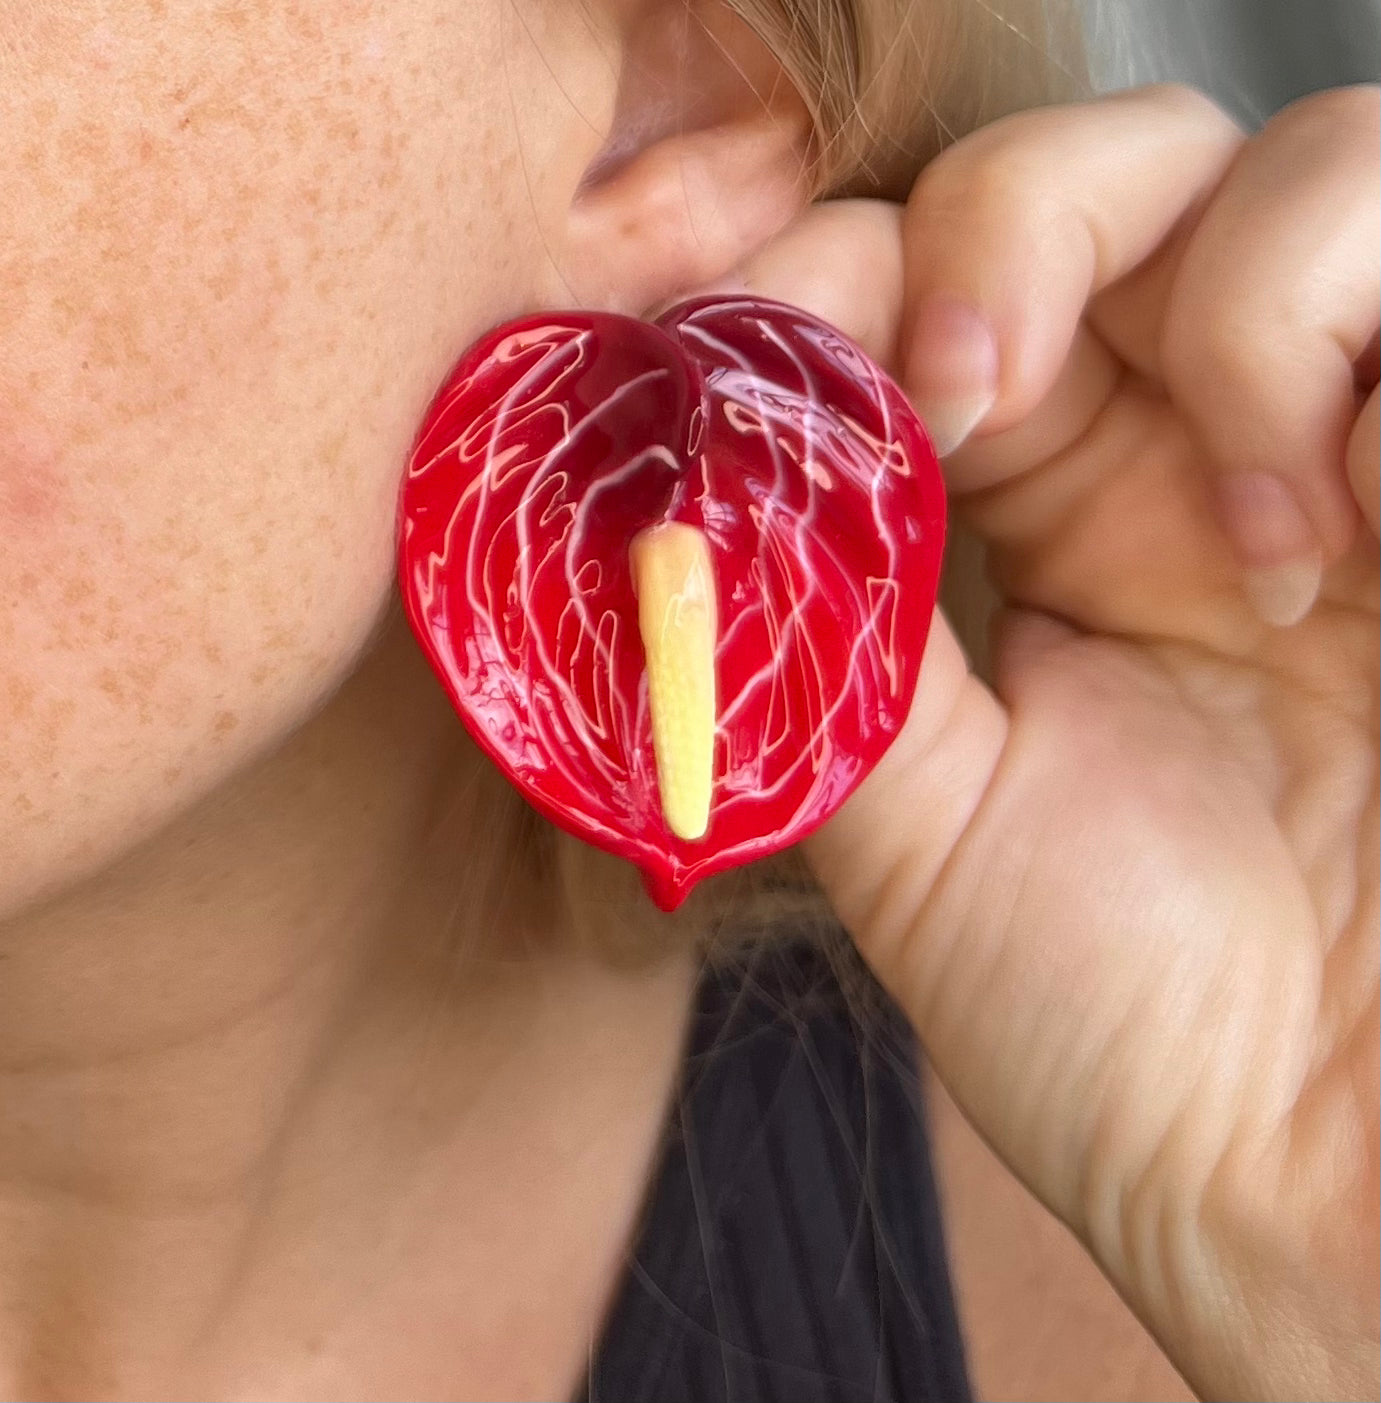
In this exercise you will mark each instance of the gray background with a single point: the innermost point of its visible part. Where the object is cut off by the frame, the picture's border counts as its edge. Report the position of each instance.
(1252, 55)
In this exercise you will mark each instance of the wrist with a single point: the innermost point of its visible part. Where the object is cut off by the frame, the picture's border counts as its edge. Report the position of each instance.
(1255, 1291)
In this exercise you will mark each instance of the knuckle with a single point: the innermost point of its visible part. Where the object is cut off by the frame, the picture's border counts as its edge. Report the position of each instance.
(993, 180)
(1342, 119)
(1194, 107)
(1010, 191)
(1007, 160)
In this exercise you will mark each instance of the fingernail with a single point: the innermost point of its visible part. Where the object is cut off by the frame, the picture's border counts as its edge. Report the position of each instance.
(1282, 564)
(951, 369)
(1283, 594)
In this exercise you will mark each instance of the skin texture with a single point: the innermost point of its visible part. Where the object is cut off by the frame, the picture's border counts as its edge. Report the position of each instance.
(262, 1132)
(1128, 895)
(254, 1023)
(199, 483)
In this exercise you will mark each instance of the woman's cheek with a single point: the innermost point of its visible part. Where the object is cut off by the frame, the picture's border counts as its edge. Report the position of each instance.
(229, 295)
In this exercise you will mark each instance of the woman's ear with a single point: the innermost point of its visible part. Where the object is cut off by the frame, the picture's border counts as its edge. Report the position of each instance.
(707, 157)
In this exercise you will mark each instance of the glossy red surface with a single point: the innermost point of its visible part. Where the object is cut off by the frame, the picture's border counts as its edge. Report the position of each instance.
(555, 440)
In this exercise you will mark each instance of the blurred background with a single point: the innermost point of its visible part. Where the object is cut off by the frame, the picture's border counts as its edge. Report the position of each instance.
(1042, 1324)
(1254, 56)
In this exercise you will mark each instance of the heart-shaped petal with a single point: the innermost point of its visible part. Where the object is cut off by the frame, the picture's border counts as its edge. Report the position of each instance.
(558, 445)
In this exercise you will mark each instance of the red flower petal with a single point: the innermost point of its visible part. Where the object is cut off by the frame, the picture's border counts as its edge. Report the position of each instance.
(554, 442)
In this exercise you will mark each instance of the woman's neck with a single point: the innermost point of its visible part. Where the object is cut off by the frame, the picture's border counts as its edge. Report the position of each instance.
(273, 1015)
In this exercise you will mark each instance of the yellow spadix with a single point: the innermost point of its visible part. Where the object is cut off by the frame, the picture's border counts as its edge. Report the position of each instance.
(678, 620)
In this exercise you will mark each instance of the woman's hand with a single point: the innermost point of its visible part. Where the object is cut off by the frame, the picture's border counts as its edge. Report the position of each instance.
(1129, 896)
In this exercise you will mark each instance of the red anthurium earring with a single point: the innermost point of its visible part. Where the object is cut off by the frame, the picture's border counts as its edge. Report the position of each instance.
(676, 576)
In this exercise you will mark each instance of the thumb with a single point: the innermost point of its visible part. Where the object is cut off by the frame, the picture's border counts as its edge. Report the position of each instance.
(880, 855)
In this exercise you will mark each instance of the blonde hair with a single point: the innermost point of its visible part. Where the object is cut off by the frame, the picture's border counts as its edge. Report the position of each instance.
(888, 84)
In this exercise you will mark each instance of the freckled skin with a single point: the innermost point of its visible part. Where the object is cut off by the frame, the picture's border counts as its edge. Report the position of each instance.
(240, 245)
(273, 1123)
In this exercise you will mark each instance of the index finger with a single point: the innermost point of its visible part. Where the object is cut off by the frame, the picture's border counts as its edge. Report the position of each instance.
(841, 260)
(1022, 223)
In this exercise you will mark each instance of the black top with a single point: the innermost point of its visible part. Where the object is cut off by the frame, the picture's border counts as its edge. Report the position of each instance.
(791, 1248)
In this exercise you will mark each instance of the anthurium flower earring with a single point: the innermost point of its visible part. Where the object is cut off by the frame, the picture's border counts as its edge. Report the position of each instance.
(676, 577)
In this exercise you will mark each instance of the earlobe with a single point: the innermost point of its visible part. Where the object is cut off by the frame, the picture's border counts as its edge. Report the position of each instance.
(708, 158)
